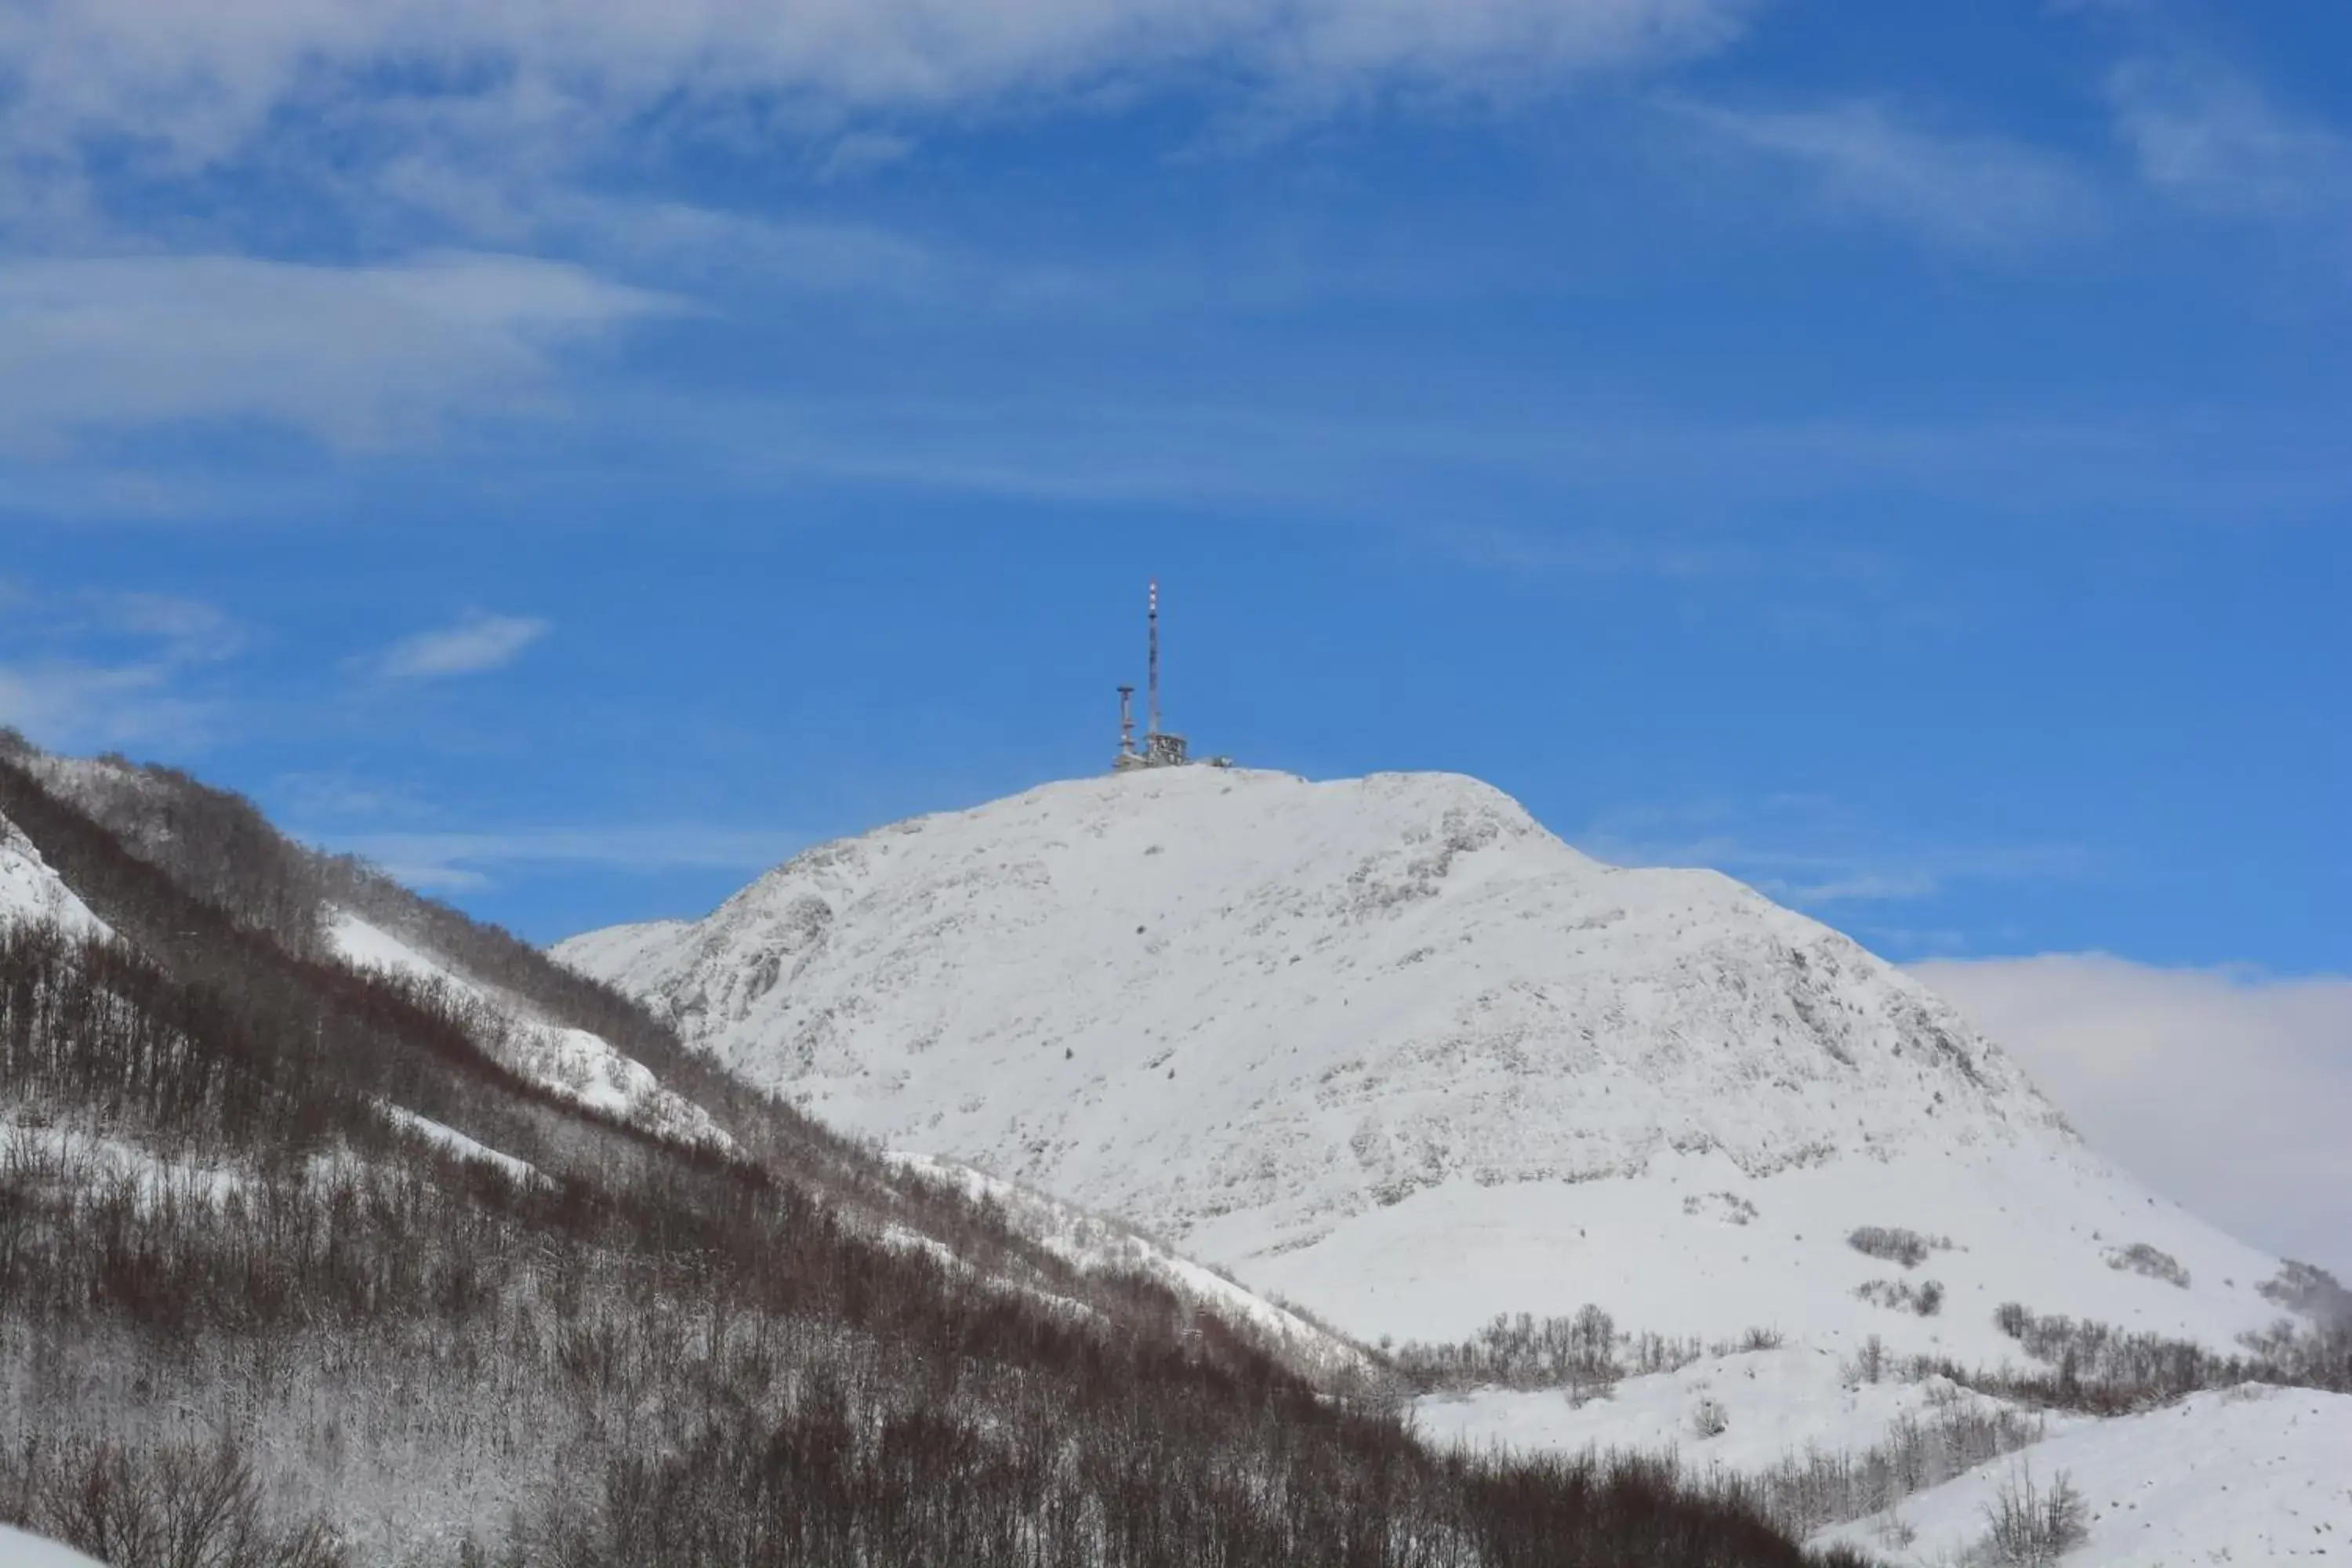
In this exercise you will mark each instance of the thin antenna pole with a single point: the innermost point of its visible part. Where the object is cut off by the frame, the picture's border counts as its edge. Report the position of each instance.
(1151, 619)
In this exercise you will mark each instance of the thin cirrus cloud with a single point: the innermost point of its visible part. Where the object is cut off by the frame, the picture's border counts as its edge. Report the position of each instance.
(1973, 193)
(1812, 853)
(461, 861)
(110, 669)
(72, 704)
(2214, 140)
(471, 646)
(2224, 1089)
(359, 357)
(201, 80)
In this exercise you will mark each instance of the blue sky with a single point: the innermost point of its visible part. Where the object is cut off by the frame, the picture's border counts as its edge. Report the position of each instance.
(1894, 454)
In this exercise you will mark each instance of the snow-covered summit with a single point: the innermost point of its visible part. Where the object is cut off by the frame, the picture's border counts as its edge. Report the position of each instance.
(1389, 1045)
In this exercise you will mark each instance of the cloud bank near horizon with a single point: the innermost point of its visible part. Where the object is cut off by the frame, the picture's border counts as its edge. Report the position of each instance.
(2226, 1090)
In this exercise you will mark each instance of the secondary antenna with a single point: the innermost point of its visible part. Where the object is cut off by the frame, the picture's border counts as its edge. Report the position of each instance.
(1126, 722)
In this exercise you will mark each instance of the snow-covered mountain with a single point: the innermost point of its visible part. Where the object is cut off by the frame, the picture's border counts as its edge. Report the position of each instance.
(1389, 1049)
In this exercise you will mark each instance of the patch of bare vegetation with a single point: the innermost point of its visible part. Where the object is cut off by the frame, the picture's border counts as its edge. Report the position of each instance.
(2152, 1263)
(1894, 1244)
(1926, 1298)
(2027, 1527)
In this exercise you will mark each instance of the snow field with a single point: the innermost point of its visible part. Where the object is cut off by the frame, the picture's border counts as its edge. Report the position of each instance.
(1770, 1405)
(2241, 1476)
(19, 1550)
(94, 1162)
(2026, 1225)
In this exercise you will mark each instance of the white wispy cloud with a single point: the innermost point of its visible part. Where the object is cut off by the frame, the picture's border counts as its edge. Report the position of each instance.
(458, 861)
(2230, 1091)
(2212, 139)
(1810, 853)
(476, 643)
(357, 356)
(108, 668)
(200, 81)
(71, 704)
(1971, 192)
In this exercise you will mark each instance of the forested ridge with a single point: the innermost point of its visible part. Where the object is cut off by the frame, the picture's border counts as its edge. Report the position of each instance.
(247, 1317)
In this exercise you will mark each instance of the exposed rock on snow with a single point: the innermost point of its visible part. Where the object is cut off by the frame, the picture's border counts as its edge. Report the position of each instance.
(1387, 1046)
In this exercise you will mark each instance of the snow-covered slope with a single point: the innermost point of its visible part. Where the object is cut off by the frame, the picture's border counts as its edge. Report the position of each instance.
(20, 1550)
(1094, 1243)
(573, 1062)
(1746, 1411)
(30, 890)
(2246, 1475)
(1389, 1048)
(464, 1148)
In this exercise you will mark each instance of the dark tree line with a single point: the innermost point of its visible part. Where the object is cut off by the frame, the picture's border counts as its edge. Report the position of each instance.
(213, 843)
(171, 862)
(647, 1354)
(2104, 1370)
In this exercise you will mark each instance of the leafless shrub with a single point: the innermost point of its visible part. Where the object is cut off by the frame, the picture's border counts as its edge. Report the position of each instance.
(2104, 1370)
(2140, 1258)
(1809, 1492)
(174, 1507)
(1926, 1298)
(2311, 1290)
(1521, 1351)
(1709, 1419)
(1729, 1207)
(2032, 1529)
(1897, 1245)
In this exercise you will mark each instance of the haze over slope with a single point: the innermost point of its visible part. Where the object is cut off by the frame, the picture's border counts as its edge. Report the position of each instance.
(1390, 1047)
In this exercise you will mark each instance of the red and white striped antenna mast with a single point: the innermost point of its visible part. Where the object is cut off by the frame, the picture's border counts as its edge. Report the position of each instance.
(1152, 705)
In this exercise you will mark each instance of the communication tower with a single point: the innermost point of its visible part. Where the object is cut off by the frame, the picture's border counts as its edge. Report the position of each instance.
(1161, 748)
